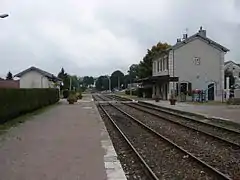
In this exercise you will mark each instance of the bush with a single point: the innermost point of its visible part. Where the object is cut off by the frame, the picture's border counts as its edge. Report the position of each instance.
(14, 102)
(72, 98)
(79, 95)
(65, 93)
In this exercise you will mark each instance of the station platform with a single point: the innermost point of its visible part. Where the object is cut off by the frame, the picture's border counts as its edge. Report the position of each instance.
(65, 142)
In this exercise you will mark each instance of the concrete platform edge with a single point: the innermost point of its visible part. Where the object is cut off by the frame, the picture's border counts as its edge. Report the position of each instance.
(112, 165)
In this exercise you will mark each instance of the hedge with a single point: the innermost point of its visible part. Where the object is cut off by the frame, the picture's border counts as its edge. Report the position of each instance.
(14, 102)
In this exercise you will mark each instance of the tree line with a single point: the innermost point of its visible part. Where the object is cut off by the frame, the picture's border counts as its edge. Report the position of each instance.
(135, 72)
(74, 82)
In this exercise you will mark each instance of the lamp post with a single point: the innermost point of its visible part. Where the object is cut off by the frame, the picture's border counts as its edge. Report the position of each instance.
(109, 83)
(3, 15)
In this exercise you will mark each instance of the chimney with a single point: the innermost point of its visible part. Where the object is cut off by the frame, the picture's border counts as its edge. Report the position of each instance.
(178, 40)
(185, 36)
(202, 32)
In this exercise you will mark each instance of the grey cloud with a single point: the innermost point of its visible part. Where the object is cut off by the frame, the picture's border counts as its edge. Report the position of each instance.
(98, 36)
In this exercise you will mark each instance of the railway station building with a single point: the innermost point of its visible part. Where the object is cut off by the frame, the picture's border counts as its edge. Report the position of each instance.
(193, 63)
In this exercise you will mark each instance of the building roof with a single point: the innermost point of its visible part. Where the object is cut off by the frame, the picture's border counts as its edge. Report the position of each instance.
(228, 62)
(44, 73)
(201, 36)
(153, 79)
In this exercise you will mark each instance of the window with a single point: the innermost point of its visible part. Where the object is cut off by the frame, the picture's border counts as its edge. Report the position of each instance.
(164, 64)
(154, 66)
(167, 64)
(158, 68)
(239, 74)
(161, 64)
(189, 89)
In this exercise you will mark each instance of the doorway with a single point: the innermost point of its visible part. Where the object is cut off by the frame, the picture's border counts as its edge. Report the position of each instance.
(211, 92)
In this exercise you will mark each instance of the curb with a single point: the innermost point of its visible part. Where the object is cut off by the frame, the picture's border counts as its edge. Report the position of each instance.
(112, 165)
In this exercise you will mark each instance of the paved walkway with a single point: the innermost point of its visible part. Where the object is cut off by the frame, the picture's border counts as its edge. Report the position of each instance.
(226, 112)
(66, 142)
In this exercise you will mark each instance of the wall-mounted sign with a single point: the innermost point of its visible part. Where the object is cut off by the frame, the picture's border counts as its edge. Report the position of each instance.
(196, 60)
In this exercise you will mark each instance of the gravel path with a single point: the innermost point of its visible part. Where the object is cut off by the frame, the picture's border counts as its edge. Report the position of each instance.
(212, 151)
(165, 160)
(62, 143)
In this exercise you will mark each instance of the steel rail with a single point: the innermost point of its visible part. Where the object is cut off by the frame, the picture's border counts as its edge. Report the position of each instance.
(158, 108)
(153, 175)
(183, 125)
(218, 173)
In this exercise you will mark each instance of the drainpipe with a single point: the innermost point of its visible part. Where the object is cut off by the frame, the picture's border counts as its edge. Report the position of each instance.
(173, 68)
(42, 81)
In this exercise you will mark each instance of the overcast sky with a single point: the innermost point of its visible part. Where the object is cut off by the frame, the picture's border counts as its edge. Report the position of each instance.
(94, 37)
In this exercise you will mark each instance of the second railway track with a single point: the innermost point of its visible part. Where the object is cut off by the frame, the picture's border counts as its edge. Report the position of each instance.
(166, 159)
(220, 154)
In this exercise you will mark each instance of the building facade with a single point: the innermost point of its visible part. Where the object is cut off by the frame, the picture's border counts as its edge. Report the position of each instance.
(36, 78)
(195, 62)
(232, 67)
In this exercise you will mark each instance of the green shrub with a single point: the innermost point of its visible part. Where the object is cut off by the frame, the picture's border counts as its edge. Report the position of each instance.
(79, 95)
(72, 98)
(65, 93)
(14, 102)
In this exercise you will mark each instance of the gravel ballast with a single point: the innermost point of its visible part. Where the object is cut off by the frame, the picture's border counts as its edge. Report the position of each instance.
(217, 153)
(132, 167)
(232, 136)
(166, 161)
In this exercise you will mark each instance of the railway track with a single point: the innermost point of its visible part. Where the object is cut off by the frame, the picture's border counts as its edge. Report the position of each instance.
(230, 136)
(131, 163)
(107, 97)
(222, 153)
(98, 97)
(118, 98)
(163, 158)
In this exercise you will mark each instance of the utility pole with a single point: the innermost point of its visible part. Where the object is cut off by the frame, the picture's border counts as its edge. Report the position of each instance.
(130, 86)
(109, 83)
(118, 83)
(70, 84)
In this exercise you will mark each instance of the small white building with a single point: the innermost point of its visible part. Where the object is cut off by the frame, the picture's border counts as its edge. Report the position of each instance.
(194, 62)
(232, 67)
(36, 78)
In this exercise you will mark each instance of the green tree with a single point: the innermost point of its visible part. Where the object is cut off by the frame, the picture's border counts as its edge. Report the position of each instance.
(102, 83)
(145, 66)
(126, 80)
(9, 76)
(65, 78)
(133, 71)
(75, 84)
(117, 78)
(88, 80)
